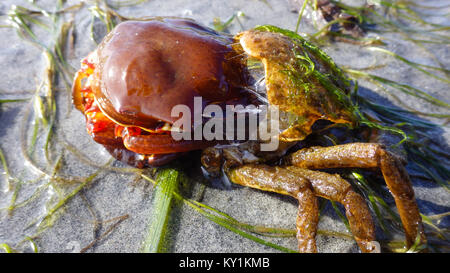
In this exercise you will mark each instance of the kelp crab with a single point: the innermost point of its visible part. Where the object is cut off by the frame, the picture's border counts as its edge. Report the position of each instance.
(127, 87)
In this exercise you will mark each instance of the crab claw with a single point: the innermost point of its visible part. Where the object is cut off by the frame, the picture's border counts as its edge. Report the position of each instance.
(296, 80)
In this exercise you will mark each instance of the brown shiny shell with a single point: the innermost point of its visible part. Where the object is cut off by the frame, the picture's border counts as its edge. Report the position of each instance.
(146, 68)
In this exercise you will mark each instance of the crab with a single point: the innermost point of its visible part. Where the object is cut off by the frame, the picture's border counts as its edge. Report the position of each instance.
(128, 85)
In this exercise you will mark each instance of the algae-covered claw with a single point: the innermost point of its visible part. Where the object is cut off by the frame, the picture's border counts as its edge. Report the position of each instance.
(300, 79)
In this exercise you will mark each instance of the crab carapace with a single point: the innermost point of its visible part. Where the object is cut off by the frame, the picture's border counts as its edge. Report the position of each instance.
(128, 86)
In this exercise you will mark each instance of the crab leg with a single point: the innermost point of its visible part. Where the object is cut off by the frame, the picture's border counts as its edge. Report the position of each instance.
(335, 188)
(139, 160)
(283, 181)
(107, 137)
(76, 91)
(370, 155)
(161, 144)
(305, 185)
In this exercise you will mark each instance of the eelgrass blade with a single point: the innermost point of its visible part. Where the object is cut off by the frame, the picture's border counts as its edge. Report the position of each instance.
(395, 115)
(364, 185)
(236, 227)
(400, 87)
(105, 234)
(5, 167)
(48, 218)
(17, 187)
(226, 220)
(12, 100)
(433, 176)
(220, 26)
(428, 221)
(418, 66)
(300, 15)
(6, 248)
(125, 3)
(33, 244)
(167, 182)
(341, 216)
